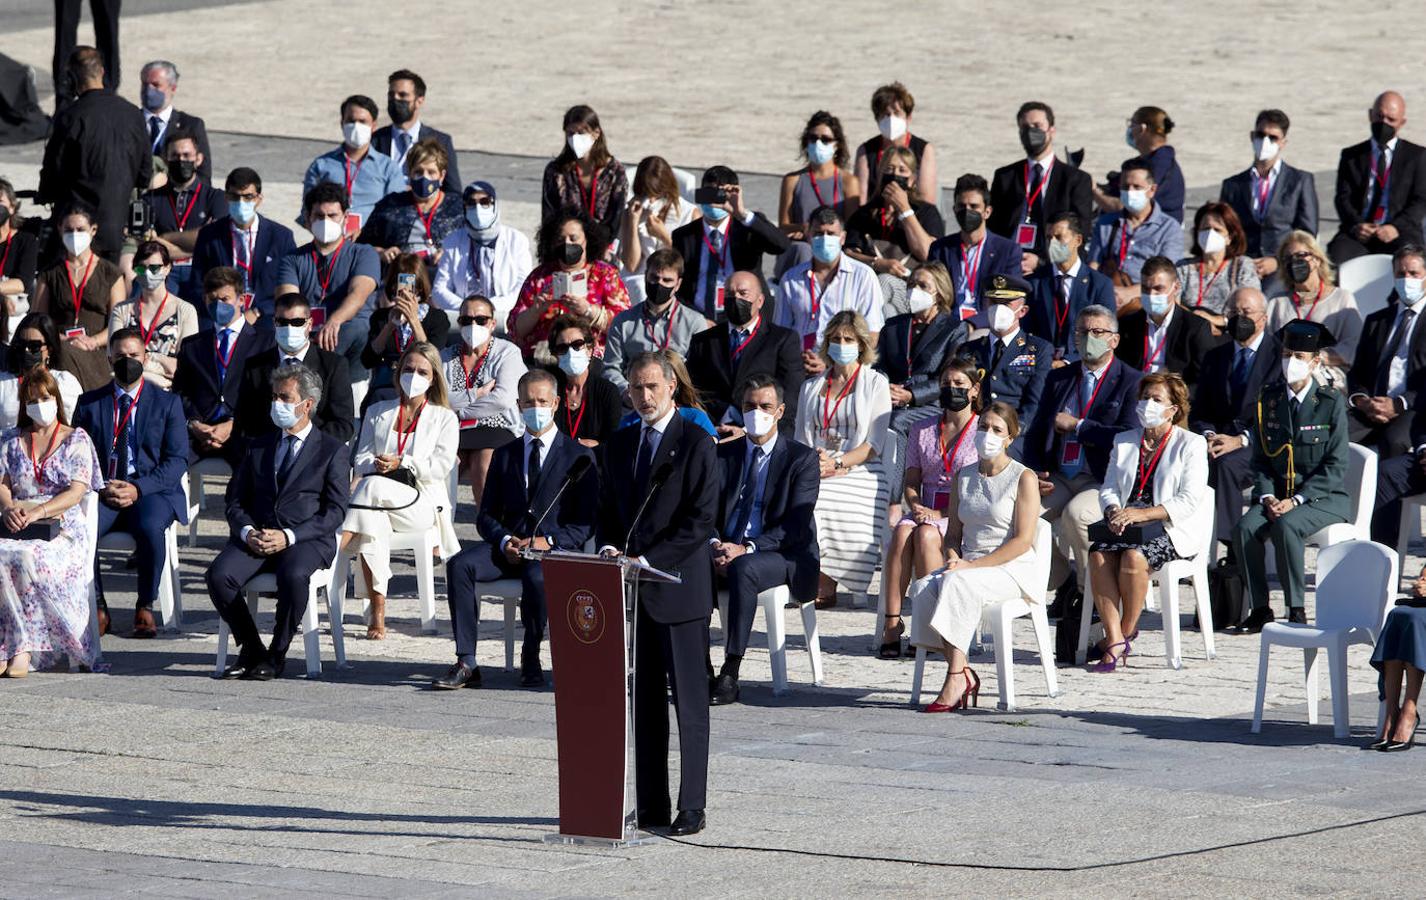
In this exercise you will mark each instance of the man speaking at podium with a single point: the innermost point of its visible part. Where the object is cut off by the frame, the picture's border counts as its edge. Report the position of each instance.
(658, 499)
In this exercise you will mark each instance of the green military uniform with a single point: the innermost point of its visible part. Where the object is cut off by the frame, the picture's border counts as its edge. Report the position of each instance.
(1317, 431)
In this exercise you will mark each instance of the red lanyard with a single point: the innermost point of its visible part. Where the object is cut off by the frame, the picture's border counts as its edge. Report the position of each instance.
(1163, 342)
(749, 339)
(836, 187)
(593, 188)
(572, 422)
(1147, 472)
(187, 210)
(1264, 192)
(713, 254)
(129, 414)
(970, 272)
(651, 332)
(473, 373)
(816, 297)
(1382, 179)
(1084, 408)
(38, 462)
(331, 265)
(222, 360)
(351, 173)
(1044, 180)
(1204, 287)
(403, 437)
(1297, 300)
(1125, 239)
(827, 417)
(946, 457)
(250, 243)
(429, 217)
(6, 258)
(78, 294)
(1061, 312)
(146, 336)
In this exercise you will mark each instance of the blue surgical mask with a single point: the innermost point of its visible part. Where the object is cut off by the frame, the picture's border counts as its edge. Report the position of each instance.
(844, 354)
(1409, 290)
(291, 337)
(424, 187)
(242, 211)
(1156, 304)
(574, 363)
(713, 213)
(827, 247)
(223, 313)
(154, 99)
(819, 153)
(538, 418)
(284, 414)
(1134, 200)
(480, 218)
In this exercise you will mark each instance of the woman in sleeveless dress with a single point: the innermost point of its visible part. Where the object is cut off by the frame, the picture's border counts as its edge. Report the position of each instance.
(824, 181)
(990, 555)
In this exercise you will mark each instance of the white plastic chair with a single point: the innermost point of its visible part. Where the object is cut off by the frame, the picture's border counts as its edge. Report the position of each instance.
(1361, 487)
(422, 545)
(90, 507)
(1410, 525)
(1355, 582)
(170, 590)
(266, 583)
(507, 592)
(1370, 280)
(1000, 616)
(687, 183)
(772, 602)
(208, 467)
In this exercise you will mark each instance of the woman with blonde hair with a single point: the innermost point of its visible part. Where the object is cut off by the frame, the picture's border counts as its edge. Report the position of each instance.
(894, 229)
(406, 450)
(1311, 293)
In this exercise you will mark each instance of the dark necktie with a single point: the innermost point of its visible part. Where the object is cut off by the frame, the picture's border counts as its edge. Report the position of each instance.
(1035, 177)
(743, 512)
(155, 125)
(291, 361)
(532, 471)
(1293, 406)
(715, 271)
(1239, 377)
(1383, 378)
(1376, 200)
(121, 452)
(996, 350)
(403, 143)
(642, 464)
(289, 456)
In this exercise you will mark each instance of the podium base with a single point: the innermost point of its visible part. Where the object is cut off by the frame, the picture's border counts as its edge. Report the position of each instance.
(632, 839)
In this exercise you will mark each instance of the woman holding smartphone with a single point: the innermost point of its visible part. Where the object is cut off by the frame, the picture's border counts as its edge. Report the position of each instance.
(404, 316)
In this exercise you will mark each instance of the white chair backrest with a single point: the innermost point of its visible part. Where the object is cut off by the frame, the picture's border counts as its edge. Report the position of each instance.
(1369, 279)
(1361, 486)
(1355, 580)
(687, 183)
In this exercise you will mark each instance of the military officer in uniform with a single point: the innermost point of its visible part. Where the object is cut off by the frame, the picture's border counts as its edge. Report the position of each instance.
(1016, 362)
(1298, 433)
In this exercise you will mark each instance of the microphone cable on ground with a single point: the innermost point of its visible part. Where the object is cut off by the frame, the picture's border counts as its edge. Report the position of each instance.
(1087, 867)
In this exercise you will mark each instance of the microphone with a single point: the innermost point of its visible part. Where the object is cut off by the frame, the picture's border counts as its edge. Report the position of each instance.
(576, 471)
(661, 474)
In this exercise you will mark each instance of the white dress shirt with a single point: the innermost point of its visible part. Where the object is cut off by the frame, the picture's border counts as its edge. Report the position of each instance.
(853, 286)
(1157, 336)
(162, 116)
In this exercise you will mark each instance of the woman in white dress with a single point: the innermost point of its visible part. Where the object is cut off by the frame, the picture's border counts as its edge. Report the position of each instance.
(845, 415)
(1313, 294)
(990, 555)
(405, 453)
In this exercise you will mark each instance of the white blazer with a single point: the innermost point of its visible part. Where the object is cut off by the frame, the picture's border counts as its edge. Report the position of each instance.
(510, 264)
(1180, 484)
(872, 398)
(430, 453)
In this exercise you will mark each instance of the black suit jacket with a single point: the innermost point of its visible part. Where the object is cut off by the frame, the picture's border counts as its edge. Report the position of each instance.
(505, 511)
(311, 501)
(1292, 205)
(677, 525)
(381, 142)
(214, 247)
(1371, 356)
(1112, 412)
(334, 413)
(747, 245)
(196, 376)
(774, 351)
(789, 496)
(918, 369)
(1069, 190)
(1214, 407)
(1189, 339)
(182, 121)
(1406, 205)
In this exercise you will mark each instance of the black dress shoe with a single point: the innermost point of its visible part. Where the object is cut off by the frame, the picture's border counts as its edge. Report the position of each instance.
(725, 690)
(1297, 615)
(689, 821)
(460, 675)
(1256, 619)
(649, 820)
(263, 671)
(532, 678)
(236, 670)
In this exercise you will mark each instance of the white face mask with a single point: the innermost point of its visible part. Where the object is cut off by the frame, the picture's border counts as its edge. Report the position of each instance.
(326, 231)
(283, 414)
(920, 300)
(1059, 252)
(154, 280)
(76, 242)
(1002, 318)
(356, 135)
(893, 128)
(42, 413)
(482, 218)
(580, 144)
(574, 363)
(819, 153)
(414, 384)
(291, 338)
(1212, 241)
(758, 423)
(988, 445)
(474, 335)
(1410, 290)
(1134, 200)
(1264, 149)
(1152, 413)
(1296, 370)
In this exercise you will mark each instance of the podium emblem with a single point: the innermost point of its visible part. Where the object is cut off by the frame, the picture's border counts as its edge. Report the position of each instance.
(586, 616)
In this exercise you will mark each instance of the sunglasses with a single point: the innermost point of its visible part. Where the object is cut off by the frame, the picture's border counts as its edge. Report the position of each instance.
(576, 346)
(32, 346)
(1261, 135)
(821, 139)
(475, 320)
(295, 322)
(250, 195)
(141, 269)
(485, 202)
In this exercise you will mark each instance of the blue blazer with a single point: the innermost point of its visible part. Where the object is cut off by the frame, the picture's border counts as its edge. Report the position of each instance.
(312, 502)
(214, 247)
(1113, 412)
(920, 373)
(1019, 379)
(160, 438)
(1090, 287)
(1001, 256)
(196, 377)
(789, 496)
(504, 510)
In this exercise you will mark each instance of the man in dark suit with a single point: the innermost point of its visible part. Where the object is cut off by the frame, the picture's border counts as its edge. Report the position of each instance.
(144, 451)
(292, 332)
(1029, 193)
(209, 375)
(405, 98)
(285, 503)
(1381, 187)
(1271, 198)
(912, 349)
(673, 465)
(159, 85)
(766, 533)
(1389, 369)
(1084, 406)
(1016, 363)
(726, 355)
(1162, 335)
(729, 238)
(1232, 377)
(1060, 290)
(251, 243)
(975, 254)
(97, 154)
(522, 491)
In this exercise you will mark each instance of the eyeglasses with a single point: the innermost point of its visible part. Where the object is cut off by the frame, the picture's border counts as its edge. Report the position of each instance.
(576, 346)
(1263, 135)
(246, 195)
(475, 320)
(1095, 332)
(141, 269)
(293, 322)
(32, 346)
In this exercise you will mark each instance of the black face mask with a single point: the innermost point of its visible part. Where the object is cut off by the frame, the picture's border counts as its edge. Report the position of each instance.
(399, 110)
(182, 170)
(968, 219)
(1240, 328)
(4, 214)
(740, 312)
(657, 294)
(30, 359)
(1300, 270)
(1383, 132)
(955, 399)
(127, 370)
(902, 180)
(1033, 140)
(571, 254)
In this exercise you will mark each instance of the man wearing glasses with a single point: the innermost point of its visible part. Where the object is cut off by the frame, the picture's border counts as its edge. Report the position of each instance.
(292, 323)
(244, 240)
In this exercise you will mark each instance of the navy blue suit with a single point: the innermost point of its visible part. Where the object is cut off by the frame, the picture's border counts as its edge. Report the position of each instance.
(1018, 378)
(507, 511)
(210, 396)
(1001, 256)
(310, 502)
(214, 247)
(1112, 412)
(158, 451)
(1044, 318)
(786, 544)
(915, 363)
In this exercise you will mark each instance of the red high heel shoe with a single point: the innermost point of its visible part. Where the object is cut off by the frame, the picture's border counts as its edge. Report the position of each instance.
(971, 695)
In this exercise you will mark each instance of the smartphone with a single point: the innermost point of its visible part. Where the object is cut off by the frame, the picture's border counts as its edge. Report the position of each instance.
(406, 280)
(710, 195)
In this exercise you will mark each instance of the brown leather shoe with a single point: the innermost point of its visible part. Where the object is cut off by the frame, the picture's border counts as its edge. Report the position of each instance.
(103, 621)
(144, 625)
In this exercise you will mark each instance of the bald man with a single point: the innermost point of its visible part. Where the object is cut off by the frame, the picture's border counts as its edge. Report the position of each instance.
(1381, 187)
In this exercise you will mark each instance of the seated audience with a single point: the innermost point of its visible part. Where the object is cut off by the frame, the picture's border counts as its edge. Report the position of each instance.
(1030, 194)
(571, 281)
(1217, 263)
(362, 177)
(245, 240)
(142, 433)
(975, 254)
(419, 219)
(1062, 289)
(184, 204)
(1271, 198)
(162, 318)
(160, 83)
(19, 254)
(728, 232)
(527, 476)
(1399, 653)
(1162, 335)
(486, 258)
(405, 100)
(1389, 369)
(405, 451)
(34, 346)
(891, 107)
(285, 502)
(990, 556)
(937, 448)
(46, 468)
(766, 533)
(293, 333)
(78, 294)
(656, 209)
(1298, 492)
(586, 177)
(1147, 131)
(1123, 241)
(845, 415)
(1310, 292)
(404, 315)
(481, 373)
(824, 181)
(1016, 364)
(895, 230)
(636, 330)
(590, 405)
(915, 346)
(1381, 187)
(1156, 507)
